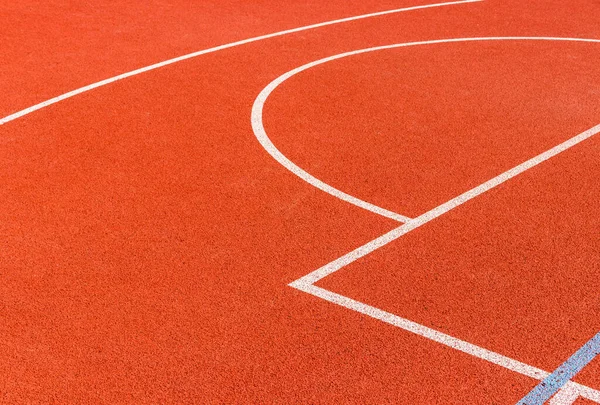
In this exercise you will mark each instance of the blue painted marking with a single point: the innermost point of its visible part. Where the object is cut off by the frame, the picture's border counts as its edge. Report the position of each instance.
(555, 381)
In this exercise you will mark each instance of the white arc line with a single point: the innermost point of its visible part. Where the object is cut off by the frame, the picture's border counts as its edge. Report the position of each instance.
(306, 283)
(267, 144)
(215, 49)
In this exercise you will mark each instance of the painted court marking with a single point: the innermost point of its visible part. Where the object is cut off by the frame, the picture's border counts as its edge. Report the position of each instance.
(306, 283)
(565, 396)
(555, 381)
(104, 82)
(267, 144)
(569, 392)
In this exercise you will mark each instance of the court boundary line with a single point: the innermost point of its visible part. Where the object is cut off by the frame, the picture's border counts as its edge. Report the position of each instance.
(306, 283)
(171, 61)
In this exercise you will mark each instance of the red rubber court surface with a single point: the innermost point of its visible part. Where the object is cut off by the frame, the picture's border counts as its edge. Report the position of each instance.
(400, 207)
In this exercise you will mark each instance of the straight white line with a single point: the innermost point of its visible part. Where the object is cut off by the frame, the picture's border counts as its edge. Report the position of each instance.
(306, 283)
(565, 396)
(424, 331)
(214, 49)
(394, 234)
(439, 337)
(352, 256)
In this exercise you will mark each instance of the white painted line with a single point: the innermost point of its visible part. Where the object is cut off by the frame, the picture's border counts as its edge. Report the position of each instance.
(267, 144)
(566, 396)
(306, 283)
(424, 331)
(352, 256)
(215, 49)
(394, 234)
(439, 337)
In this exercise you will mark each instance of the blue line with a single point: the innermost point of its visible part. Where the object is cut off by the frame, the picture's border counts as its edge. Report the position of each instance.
(555, 381)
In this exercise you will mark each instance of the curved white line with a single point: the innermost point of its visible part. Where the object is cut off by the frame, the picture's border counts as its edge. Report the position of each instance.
(267, 144)
(214, 49)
